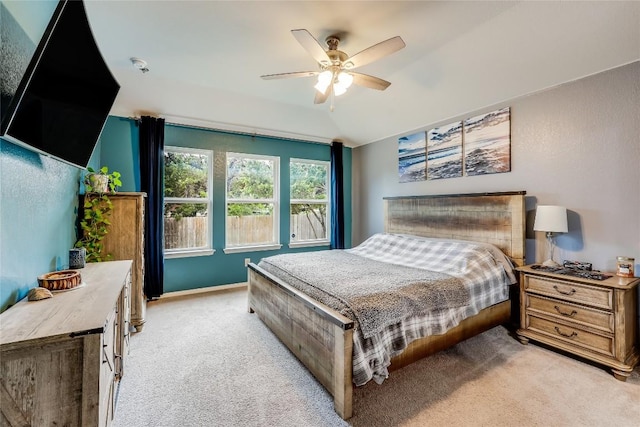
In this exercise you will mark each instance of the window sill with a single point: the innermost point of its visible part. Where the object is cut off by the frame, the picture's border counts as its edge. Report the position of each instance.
(189, 253)
(239, 249)
(309, 244)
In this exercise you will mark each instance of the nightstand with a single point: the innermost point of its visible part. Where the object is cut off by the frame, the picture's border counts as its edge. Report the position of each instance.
(593, 319)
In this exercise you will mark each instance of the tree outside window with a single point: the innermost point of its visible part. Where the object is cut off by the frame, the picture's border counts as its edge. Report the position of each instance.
(309, 183)
(252, 200)
(187, 199)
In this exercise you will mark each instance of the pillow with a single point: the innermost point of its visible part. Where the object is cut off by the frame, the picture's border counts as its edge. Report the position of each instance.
(495, 252)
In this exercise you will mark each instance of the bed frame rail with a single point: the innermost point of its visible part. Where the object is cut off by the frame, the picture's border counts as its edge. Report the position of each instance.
(320, 337)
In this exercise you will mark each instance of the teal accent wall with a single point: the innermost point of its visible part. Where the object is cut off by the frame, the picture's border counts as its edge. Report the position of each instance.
(38, 216)
(38, 208)
(119, 151)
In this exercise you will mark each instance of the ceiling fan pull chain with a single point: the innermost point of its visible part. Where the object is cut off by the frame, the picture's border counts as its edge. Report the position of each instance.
(331, 106)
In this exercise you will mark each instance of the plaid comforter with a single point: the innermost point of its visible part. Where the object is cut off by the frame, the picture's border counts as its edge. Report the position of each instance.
(477, 266)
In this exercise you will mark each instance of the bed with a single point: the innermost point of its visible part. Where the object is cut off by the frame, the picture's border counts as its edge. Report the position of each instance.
(328, 340)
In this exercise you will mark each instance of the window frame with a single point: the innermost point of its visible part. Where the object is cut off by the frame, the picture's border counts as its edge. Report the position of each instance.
(275, 200)
(312, 242)
(204, 250)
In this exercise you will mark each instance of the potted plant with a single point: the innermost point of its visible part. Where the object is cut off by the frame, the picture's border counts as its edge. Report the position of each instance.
(97, 208)
(102, 181)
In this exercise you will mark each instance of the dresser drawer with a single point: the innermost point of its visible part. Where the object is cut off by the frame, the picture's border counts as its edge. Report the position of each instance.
(570, 291)
(593, 318)
(571, 335)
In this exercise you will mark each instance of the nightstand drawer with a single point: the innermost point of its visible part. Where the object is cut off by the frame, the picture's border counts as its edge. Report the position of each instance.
(593, 318)
(571, 291)
(568, 334)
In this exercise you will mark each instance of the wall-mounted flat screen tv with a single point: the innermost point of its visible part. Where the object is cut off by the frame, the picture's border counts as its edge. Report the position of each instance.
(66, 92)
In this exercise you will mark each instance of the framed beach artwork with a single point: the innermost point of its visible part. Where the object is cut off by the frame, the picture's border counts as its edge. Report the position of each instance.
(444, 151)
(487, 143)
(412, 150)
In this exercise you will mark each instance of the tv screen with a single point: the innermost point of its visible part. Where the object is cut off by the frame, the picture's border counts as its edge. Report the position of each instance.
(66, 93)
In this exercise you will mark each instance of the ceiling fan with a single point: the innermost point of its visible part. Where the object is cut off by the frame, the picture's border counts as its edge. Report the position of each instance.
(335, 72)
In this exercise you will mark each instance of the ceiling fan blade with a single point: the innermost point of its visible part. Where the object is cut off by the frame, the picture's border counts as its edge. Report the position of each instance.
(375, 52)
(322, 97)
(369, 81)
(290, 75)
(311, 45)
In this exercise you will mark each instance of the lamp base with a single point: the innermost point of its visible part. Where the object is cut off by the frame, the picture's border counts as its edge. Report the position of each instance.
(550, 263)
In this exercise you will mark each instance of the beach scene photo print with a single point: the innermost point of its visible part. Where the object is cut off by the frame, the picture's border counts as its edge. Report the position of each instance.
(487, 143)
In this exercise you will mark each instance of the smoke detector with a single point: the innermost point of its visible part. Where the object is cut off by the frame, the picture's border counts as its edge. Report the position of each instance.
(140, 64)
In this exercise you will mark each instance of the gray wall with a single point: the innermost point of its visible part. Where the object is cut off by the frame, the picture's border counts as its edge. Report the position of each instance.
(575, 145)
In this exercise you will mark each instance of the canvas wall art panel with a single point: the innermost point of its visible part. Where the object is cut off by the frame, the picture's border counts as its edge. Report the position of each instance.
(412, 151)
(487, 143)
(444, 151)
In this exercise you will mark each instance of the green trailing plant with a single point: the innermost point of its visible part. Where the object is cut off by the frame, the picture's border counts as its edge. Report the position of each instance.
(97, 207)
(93, 181)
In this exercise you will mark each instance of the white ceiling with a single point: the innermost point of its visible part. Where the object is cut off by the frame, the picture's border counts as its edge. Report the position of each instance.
(205, 59)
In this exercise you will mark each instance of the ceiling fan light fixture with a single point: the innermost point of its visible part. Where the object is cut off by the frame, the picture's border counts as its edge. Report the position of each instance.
(335, 73)
(342, 82)
(324, 80)
(345, 79)
(321, 87)
(325, 77)
(338, 89)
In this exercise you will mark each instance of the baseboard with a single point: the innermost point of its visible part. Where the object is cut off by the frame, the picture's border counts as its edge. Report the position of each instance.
(203, 290)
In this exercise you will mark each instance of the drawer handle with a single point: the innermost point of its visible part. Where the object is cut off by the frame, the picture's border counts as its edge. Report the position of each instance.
(573, 334)
(106, 359)
(571, 292)
(573, 312)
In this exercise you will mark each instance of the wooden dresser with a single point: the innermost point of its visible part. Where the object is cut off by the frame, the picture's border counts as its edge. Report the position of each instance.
(61, 358)
(594, 319)
(125, 240)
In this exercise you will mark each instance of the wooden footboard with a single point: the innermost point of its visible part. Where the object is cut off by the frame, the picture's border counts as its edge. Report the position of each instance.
(320, 337)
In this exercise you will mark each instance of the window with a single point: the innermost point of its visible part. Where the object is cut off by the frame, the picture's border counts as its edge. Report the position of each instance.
(252, 221)
(188, 176)
(309, 203)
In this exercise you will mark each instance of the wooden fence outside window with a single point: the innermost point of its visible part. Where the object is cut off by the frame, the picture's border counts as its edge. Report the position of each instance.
(191, 232)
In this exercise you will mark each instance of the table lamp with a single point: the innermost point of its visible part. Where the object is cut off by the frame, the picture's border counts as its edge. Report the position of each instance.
(551, 219)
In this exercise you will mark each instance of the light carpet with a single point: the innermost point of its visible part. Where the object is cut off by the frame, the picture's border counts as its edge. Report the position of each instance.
(203, 360)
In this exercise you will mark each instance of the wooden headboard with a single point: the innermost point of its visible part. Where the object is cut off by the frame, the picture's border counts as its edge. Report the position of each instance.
(496, 218)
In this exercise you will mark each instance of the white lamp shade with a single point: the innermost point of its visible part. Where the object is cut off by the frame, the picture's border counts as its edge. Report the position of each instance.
(551, 219)
(338, 89)
(324, 80)
(325, 77)
(345, 79)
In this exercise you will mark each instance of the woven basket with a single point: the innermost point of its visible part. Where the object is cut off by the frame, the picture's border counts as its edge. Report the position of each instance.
(60, 280)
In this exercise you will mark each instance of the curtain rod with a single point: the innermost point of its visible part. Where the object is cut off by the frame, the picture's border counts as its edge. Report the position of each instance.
(229, 128)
